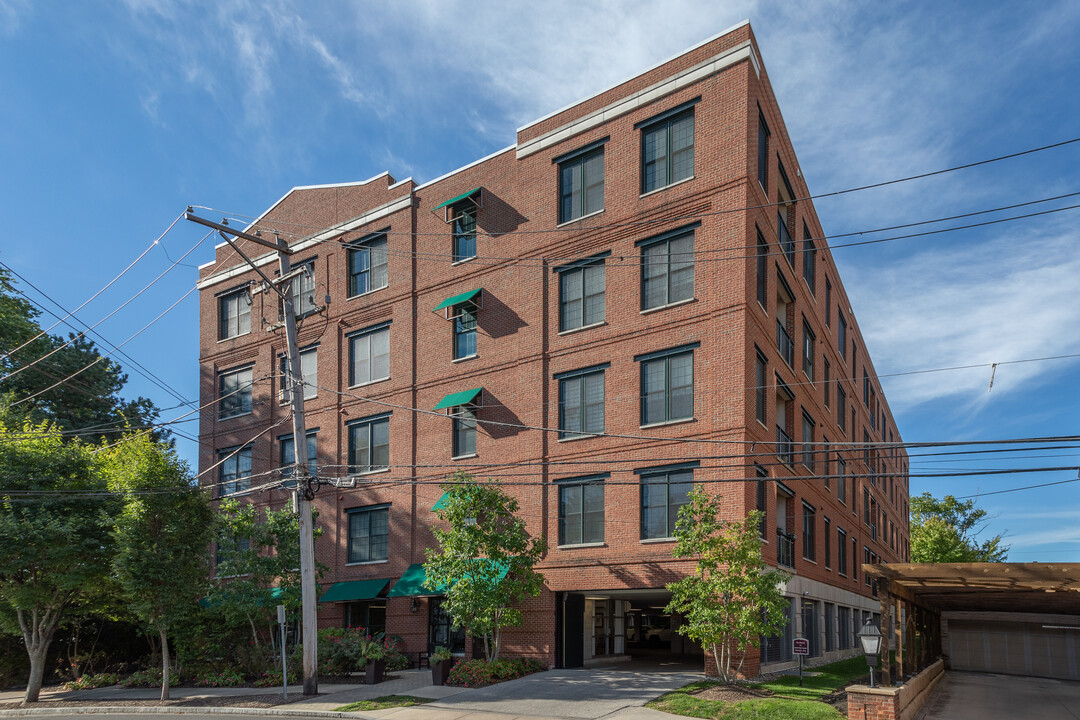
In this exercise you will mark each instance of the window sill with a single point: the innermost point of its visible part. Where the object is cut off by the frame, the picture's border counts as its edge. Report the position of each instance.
(232, 337)
(463, 457)
(364, 294)
(761, 424)
(355, 476)
(579, 219)
(668, 422)
(462, 261)
(580, 436)
(806, 559)
(581, 545)
(666, 187)
(233, 417)
(369, 382)
(659, 540)
(658, 308)
(366, 562)
(463, 359)
(583, 327)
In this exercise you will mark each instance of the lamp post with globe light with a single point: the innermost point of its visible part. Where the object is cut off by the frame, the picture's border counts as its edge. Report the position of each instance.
(870, 638)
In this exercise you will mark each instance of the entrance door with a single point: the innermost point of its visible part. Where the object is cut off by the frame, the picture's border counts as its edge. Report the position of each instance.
(573, 633)
(442, 632)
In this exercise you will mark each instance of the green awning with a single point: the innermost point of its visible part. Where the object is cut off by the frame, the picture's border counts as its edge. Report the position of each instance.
(458, 299)
(440, 503)
(459, 198)
(464, 397)
(411, 583)
(354, 590)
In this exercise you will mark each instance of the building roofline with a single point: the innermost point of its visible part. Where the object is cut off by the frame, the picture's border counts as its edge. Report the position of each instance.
(635, 75)
(466, 167)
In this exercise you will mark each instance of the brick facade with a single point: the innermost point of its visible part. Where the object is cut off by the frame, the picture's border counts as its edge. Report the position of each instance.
(520, 245)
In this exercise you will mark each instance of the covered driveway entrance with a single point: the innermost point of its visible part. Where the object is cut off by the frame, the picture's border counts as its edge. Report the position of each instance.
(979, 696)
(1010, 618)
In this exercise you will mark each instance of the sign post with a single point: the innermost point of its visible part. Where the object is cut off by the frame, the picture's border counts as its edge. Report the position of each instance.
(800, 647)
(284, 664)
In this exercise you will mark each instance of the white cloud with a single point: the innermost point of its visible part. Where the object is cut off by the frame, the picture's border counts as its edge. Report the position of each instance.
(11, 14)
(1059, 534)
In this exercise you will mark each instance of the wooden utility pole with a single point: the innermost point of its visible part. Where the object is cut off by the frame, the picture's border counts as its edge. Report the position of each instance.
(305, 485)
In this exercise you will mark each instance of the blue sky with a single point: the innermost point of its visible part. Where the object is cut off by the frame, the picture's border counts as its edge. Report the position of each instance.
(117, 115)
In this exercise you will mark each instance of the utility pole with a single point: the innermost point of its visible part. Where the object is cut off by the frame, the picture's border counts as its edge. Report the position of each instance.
(305, 485)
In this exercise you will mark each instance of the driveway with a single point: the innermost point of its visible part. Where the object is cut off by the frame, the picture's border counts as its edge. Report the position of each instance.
(986, 696)
(587, 693)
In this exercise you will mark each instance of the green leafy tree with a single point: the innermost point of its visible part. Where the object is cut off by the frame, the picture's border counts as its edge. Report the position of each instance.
(258, 565)
(162, 537)
(948, 530)
(90, 401)
(56, 516)
(732, 598)
(484, 562)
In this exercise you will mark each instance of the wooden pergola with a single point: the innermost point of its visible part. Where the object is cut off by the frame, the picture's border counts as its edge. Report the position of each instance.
(924, 591)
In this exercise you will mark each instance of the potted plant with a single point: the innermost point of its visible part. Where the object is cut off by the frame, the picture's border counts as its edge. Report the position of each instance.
(374, 654)
(441, 660)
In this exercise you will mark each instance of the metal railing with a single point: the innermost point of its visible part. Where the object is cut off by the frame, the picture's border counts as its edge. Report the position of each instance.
(784, 344)
(785, 549)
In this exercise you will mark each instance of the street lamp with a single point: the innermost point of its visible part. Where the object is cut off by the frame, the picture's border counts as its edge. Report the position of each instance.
(870, 637)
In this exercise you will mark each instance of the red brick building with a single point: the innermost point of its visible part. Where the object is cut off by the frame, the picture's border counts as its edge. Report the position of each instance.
(633, 298)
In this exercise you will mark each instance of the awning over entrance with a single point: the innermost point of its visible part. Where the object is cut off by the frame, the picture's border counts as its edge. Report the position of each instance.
(411, 583)
(354, 590)
(458, 299)
(465, 397)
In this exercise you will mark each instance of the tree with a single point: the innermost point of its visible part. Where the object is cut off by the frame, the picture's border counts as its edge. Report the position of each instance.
(55, 542)
(947, 531)
(484, 561)
(258, 564)
(162, 536)
(32, 362)
(732, 599)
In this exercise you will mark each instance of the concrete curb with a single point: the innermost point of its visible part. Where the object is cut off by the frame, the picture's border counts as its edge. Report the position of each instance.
(158, 709)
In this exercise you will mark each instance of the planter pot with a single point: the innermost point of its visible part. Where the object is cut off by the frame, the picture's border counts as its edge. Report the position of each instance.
(374, 671)
(440, 671)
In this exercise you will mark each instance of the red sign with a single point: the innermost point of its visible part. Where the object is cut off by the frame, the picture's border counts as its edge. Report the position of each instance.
(800, 646)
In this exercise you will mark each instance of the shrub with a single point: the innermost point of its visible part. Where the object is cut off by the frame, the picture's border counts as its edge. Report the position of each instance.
(221, 678)
(271, 679)
(88, 682)
(478, 673)
(149, 678)
(346, 650)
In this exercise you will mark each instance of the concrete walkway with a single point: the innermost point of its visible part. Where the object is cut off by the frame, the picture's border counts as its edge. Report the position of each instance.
(986, 696)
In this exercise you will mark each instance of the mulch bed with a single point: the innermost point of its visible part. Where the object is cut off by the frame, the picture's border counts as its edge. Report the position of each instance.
(733, 693)
(249, 701)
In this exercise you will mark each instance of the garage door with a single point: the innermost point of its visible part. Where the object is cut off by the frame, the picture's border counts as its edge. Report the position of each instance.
(1015, 649)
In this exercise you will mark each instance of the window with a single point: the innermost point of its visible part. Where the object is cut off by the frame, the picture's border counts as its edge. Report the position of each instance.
(825, 380)
(827, 472)
(303, 288)
(309, 375)
(464, 430)
(828, 303)
(827, 536)
(807, 442)
(844, 626)
(866, 506)
(581, 295)
(463, 228)
(809, 523)
(841, 478)
(235, 470)
(667, 149)
(830, 627)
(667, 269)
(808, 350)
(785, 212)
(581, 510)
(234, 314)
(369, 355)
(841, 402)
(581, 182)
(581, 402)
(369, 534)
(663, 492)
(763, 153)
(761, 395)
(841, 551)
(762, 270)
(866, 392)
(464, 330)
(369, 444)
(667, 385)
(368, 267)
(762, 507)
(867, 560)
(854, 559)
(841, 337)
(288, 454)
(234, 393)
(809, 261)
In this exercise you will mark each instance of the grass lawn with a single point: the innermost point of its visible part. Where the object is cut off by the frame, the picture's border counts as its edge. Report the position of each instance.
(789, 702)
(386, 701)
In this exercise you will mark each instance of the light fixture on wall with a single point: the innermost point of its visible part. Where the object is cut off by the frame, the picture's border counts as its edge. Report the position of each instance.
(414, 605)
